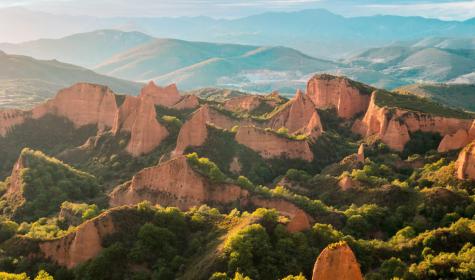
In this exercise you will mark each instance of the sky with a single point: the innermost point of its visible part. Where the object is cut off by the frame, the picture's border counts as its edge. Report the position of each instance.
(442, 9)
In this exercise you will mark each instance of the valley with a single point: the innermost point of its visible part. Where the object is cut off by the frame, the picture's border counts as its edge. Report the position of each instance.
(242, 185)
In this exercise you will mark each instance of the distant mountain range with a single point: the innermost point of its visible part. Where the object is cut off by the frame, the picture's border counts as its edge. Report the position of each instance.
(316, 32)
(189, 64)
(25, 81)
(84, 49)
(138, 57)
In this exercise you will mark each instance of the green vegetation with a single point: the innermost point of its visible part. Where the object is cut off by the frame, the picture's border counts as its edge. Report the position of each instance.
(207, 168)
(418, 104)
(454, 95)
(46, 183)
(49, 134)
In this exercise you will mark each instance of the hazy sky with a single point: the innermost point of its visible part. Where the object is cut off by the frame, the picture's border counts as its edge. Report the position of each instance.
(443, 9)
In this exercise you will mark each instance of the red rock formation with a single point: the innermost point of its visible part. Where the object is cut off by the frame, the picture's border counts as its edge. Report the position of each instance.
(167, 96)
(328, 91)
(80, 245)
(299, 219)
(187, 102)
(465, 163)
(147, 133)
(82, 104)
(337, 261)
(298, 116)
(137, 116)
(174, 183)
(270, 145)
(360, 155)
(345, 183)
(243, 103)
(392, 125)
(15, 182)
(10, 118)
(126, 115)
(194, 132)
(454, 141)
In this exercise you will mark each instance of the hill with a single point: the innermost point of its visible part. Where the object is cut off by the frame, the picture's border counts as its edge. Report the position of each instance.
(455, 95)
(238, 186)
(25, 81)
(198, 64)
(316, 32)
(84, 49)
(406, 65)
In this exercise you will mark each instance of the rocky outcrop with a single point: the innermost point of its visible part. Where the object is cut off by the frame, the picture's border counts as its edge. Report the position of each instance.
(454, 141)
(345, 183)
(187, 102)
(347, 97)
(14, 188)
(194, 132)
(337, 261)
(82, 104)
(270, 145)
(360, 155)
(299, 219)
(10, 118)
(147, 133)
(393, 125)
(174, 183)
(163, 96)
(138, 117)
(298, 116)
(465, 163)
(81, 245)
(245, 103)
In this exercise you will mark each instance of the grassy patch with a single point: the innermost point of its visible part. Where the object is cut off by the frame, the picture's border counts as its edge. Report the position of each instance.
(418, 104)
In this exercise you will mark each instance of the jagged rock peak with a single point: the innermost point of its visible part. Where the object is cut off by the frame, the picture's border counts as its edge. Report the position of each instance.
(271, 145)
(465, 163)
(346, 96)
(174, 183)
(337, 261)
(164, 96)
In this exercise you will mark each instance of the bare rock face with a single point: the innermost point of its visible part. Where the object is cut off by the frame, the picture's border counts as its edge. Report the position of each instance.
(465, 163)
(194, 132)
(147, 133)
(187, 102)
(270, 145)
(298, 116)
(328, 91)
(137, 116)
(82, 104)
(243, 103)
(15, 184)
(174, 183)
(80, 245)
(392, 125)
(337, 261)
(346, 183)
(454, 141)
(164, 96)
(360, 156)
(126, 115)
(299, 219)
(10, 118)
